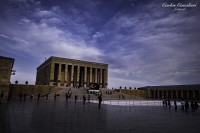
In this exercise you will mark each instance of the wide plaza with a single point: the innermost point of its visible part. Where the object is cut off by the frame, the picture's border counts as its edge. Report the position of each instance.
(62, 116)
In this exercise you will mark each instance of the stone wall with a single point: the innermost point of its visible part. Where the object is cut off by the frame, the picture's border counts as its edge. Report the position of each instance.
(6, 65)
(139, 93)
(15, 89)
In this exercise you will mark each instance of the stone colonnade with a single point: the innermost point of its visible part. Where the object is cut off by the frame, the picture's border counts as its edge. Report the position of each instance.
(174, 94)
(77, 75)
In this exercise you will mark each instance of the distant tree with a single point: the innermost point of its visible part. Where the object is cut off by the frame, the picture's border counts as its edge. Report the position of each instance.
(120, 87)
(26, 82)
(125, 87)
(130, 88)
(16, 82)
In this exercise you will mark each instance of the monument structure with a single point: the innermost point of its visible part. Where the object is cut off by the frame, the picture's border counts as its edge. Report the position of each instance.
(72, 73)
(191, 92)
(6, 65)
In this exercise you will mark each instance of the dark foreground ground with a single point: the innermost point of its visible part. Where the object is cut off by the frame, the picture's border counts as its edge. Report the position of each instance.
(66, 117)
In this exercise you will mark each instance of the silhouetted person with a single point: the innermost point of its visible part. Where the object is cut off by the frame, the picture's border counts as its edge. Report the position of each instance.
(88, 98)
(38, 98)
(47, 95)
(84, 99)
(24, 97)
(55, 96)
(182, 105)
(76, 97)
(66, 96)
(31, 97)
(69, 93)
(196, 106)
(100, 100)
(1, 97)
(166, 103)
(175, 105)
(192, 106)
(163, 103)
(169, 104)
(20, 97)
(186, 106)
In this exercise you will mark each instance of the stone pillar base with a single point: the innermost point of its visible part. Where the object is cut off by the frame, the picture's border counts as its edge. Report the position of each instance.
(85, 85)
(71, 84)
(65, 84)
(58, 84)
(51, 83)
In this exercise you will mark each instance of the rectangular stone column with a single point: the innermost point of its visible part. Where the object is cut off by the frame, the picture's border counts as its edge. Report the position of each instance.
(171, 94)
(106, 78)
(181, 93)
(90, 74)
(193, 94)
(66, 75)
(78, 75)
(85, 76)
(72, 75)
(158, 94)
(162, 94)
(154, 94)
(59, 74)
(187, 94)
(101, 78)
(95, 75)
(176, 94)
(149, 93)
(52, 67)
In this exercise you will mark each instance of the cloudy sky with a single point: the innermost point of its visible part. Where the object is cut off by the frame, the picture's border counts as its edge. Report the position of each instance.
(144, 42)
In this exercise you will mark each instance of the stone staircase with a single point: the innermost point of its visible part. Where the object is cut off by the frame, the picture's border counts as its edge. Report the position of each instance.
(83, 91)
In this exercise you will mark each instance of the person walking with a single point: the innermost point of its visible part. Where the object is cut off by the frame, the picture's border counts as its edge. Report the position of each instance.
(55, 97)
(76, 97)
(38, 98)
(186, 106)
(84, 99)
(24, 97)
(31, 97)
(100, 100)
(175, 105)
(20, 97)
(182, 105)
(66, 96)
(169, 104)
(88, 98)
(1, 97)
(47, 95)
(196, 106)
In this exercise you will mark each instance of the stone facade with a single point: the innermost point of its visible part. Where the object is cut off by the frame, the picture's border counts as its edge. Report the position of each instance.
(6, 65)
(72, 73)
(16, 89)
(190, 92)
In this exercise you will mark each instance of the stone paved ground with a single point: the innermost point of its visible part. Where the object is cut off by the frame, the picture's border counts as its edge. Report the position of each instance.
(66, 117)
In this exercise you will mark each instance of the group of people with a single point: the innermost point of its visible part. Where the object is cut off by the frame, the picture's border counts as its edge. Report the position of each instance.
(84, 99)
(23, 97)
(68, 95)
(184, 105)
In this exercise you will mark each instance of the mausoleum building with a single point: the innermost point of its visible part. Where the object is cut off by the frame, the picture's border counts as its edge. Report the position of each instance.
(72, 73)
